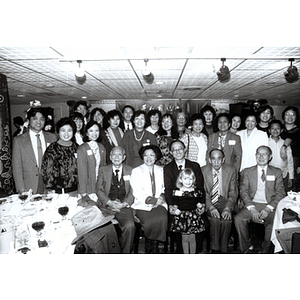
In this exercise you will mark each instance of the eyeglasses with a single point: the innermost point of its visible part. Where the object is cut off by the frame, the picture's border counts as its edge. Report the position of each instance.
(290, 114)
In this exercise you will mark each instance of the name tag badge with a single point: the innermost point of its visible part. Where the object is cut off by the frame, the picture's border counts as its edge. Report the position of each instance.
(89, 152)
(178, 193)
(270, 177)
(75, 154)
(231, 142)
(126, 177)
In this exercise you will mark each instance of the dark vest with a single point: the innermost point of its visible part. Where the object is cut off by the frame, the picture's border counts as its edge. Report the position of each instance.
(117, 188)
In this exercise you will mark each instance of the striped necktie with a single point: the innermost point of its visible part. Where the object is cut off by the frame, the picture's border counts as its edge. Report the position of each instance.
(215, 188)
(40, 150)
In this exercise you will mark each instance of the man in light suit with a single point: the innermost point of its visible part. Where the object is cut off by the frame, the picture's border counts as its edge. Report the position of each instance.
(26, 161)
(221, 191)
(115, 193)
(261, 189)
(229, 142)
(171, 172)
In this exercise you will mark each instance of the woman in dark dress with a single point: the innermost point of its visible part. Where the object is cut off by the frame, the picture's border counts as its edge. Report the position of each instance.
(291, 135)
(59, 166)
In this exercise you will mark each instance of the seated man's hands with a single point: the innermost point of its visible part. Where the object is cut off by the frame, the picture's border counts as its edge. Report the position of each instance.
(151, 200)
(226, 214)
(86, 201)
(264, 213)
(214, 212)
(160, 200)
(115, 205)
(255, 214)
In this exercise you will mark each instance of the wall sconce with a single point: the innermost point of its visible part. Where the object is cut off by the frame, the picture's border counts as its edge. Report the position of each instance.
(291, 75)
(147, 75)
(223, 74)
(80, 74)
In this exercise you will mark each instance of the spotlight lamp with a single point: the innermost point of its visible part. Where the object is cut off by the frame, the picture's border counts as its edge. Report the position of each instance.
(80, 74)
(223, 74)
(291, 75)
(147, 75)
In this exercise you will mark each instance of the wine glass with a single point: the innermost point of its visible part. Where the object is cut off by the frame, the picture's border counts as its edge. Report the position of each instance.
(48, 195)
(23, 195)
(38, 226)
(63, 211)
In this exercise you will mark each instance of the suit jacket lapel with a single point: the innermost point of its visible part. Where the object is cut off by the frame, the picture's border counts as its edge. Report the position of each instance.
(28, 146)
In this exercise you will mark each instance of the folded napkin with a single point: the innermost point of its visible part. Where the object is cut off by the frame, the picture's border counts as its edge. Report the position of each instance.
(289, 215)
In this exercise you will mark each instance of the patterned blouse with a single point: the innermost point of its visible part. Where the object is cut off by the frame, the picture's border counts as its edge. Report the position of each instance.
(59, 166)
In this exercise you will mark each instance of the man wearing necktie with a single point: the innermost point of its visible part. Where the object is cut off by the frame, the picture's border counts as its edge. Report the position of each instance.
(221, 191)
(171, 172)
(28, 150)
(115, 194)
(261, 189)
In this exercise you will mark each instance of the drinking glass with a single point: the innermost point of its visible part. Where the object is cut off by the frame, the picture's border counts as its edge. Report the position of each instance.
(63, 211)
(38, 226)
(22, 237)
(23, 195)
(48, 195)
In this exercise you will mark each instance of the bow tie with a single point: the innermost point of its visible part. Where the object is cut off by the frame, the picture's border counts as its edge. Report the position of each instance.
(289, 215)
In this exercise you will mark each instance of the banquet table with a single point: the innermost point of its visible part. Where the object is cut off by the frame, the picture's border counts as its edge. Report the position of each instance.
(292, 201)
(16, 219)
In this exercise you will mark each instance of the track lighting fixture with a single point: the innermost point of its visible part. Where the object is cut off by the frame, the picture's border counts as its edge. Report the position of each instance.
(291, 75)
(147, 75)
(223, 74)
(80, 74)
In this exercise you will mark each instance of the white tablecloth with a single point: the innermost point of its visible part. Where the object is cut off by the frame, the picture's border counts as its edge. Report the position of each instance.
(286, 202)
(58, 233)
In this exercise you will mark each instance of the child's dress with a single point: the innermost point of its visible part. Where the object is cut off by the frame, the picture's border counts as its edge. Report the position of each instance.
(189, 221)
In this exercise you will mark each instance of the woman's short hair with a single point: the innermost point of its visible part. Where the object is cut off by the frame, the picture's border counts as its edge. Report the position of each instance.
(90, 124)
(138, 113)
(250, 113)
(66, 121)
(226, 115)
(110, 115)
(77, 115)
(94, 110)
(155, 149)
(195, 117)
(293, 108)
(263, 108)
(188, 172)
(151, 113)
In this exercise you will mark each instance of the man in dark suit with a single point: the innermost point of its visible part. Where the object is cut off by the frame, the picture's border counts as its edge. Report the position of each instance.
(28, 150)
(221, 191)
(115, 193)
(261, 189)
(229, 142)
(171, 172)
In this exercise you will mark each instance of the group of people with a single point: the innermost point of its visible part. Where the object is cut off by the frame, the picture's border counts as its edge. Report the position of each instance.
(190, 180)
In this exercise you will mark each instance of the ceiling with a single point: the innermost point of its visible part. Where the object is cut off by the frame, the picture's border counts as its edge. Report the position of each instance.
(188, 73)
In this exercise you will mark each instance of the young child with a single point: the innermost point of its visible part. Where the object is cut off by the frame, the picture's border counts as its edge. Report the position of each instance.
(187, 210)
(275, 143)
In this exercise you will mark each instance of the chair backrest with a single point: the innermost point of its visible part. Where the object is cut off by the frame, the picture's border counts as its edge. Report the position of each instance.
(295, 243)
(284, 237)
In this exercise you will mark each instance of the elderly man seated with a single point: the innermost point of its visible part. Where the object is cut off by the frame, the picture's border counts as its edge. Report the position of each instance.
(261, 189)
(115, 193)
